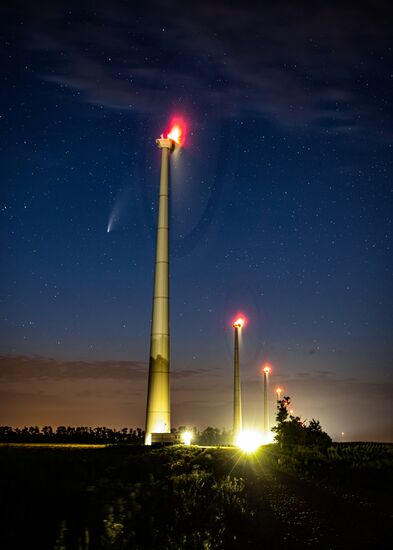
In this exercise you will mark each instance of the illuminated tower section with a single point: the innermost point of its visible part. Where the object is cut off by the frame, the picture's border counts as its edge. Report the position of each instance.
(237, 398)
(266, 372)
(158, 416)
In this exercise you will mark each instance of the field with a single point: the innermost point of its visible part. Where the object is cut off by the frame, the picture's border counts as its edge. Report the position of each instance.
(127, 496)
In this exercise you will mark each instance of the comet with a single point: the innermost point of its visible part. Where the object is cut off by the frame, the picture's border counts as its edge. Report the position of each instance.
(118, 209)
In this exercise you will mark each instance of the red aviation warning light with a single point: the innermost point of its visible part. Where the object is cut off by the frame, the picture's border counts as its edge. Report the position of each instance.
(177, 131)
(175, 134)
(266, 369)
(239, 322)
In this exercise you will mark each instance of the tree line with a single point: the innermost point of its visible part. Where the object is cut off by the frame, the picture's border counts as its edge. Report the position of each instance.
(70, 434)
(289, 430)
(102, 434)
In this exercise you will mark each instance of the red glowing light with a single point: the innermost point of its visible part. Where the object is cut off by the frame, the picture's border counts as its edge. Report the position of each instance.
(240, 321)
(175, 134)
(177, 130)
(279, 391)
(266, 369)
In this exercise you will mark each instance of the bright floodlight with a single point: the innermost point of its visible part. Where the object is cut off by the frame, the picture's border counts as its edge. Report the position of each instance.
(186, 438)
(239, 323)
(249, 441)
(266, 369)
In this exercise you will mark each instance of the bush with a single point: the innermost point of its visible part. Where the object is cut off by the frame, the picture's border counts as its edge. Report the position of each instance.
(290, 430)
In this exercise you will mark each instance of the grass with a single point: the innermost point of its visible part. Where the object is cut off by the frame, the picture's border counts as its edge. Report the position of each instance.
(85, 497)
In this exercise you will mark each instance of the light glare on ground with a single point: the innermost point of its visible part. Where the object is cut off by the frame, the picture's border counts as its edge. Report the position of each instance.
(249, 441)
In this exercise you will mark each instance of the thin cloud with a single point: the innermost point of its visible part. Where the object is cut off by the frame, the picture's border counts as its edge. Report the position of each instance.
(24, 368)
(294, 64)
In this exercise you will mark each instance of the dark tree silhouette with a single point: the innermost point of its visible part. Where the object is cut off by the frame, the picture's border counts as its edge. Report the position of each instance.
(290, 430)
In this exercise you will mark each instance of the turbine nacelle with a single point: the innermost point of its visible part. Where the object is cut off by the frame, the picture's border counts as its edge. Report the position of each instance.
(239, 323)
(165, 143)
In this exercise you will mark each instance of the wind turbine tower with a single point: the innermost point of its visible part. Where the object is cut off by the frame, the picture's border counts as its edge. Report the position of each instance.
(158, 415)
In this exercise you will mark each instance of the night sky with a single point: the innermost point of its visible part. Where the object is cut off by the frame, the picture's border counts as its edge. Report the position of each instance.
(281, 209)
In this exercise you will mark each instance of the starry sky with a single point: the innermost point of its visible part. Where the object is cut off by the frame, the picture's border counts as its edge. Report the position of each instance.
(281, 208)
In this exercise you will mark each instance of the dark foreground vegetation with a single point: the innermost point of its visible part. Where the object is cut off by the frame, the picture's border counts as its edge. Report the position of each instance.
(131, 497)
